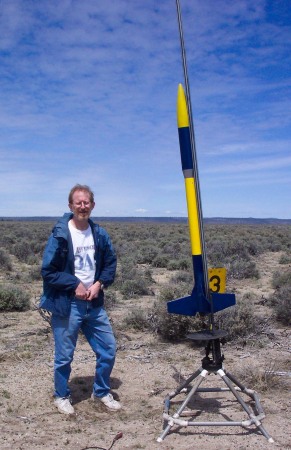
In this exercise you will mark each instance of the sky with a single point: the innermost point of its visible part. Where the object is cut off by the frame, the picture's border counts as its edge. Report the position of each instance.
(88, 95)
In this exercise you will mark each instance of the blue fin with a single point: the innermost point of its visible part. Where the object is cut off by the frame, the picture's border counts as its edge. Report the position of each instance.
(195, 303)
(222, 301)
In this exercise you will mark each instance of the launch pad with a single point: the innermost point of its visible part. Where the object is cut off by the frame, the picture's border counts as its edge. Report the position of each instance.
(205, 299)
(212, 364)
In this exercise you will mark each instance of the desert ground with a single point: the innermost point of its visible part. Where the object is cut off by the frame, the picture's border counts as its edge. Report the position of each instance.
(147, 368)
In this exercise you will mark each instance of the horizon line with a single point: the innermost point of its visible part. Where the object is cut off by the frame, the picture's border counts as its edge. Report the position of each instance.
(152, 217)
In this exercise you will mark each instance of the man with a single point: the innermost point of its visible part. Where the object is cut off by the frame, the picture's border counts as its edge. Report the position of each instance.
(78, 262)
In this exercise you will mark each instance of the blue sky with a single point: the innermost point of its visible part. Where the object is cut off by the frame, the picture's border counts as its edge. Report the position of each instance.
(88, 95)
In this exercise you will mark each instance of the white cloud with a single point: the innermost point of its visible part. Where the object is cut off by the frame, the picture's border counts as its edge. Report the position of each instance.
(141, 210)
(88, 92)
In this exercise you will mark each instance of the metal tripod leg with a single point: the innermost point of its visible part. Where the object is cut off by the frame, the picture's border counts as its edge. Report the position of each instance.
(256, 420)
(212, 363)
(228, 379)
(200, 373)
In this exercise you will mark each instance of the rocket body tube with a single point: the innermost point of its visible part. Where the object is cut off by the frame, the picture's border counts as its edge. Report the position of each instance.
(201, 299)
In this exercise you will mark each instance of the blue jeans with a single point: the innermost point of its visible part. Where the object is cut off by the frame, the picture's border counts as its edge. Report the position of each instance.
(96, 327)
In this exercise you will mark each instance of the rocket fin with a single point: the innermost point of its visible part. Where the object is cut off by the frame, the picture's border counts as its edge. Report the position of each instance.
(184, 305)
(193, 304)
(222, 301)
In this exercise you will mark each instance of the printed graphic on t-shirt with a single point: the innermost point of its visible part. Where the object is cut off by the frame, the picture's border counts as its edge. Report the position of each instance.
(84, 251)
(83, 258)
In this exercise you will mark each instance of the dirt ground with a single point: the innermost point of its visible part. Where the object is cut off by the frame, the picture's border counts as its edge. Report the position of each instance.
(146, 370)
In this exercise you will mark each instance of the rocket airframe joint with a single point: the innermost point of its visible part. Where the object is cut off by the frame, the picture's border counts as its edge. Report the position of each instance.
(201, 300)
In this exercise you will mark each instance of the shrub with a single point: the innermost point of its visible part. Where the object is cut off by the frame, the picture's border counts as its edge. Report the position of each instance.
(248, 240)
(240, 268)
(13, 299)
(281, 298)
(281, 279)
(253, 376)
(223, 249)
(235, 255)
(179, 264)
(23, 251)
(136, 319)
(172, 326)
(135, 287)
(126, 270)
(282, 304)
(34, 273)
(110, 299)
(32, 260)
(147, 254)
(160, 261)
(148, 275)
(183, 277)
(5, 261)
(285, 258)
(238, 320)
(132, 280)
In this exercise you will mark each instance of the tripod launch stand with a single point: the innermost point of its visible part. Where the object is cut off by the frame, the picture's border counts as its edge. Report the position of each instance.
(204, 299)
(212, 364)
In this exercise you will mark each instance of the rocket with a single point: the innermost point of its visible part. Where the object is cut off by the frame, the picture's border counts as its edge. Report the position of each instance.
(202, 299)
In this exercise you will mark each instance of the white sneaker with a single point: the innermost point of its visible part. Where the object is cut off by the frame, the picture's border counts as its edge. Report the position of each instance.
(108, 401)
(64, 405)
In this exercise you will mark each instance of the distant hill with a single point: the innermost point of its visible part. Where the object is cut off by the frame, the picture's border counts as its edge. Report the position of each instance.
(248, 220)
(210, 220)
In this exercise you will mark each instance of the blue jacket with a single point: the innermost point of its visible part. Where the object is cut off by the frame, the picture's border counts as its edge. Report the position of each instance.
(59, 280)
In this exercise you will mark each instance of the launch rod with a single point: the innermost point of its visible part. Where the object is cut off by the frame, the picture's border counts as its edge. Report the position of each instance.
(194, 156)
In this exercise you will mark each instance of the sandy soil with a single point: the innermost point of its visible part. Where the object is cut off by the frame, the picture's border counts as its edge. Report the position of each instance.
(146, 370)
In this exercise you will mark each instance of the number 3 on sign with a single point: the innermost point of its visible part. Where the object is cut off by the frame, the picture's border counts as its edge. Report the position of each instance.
(217, 279)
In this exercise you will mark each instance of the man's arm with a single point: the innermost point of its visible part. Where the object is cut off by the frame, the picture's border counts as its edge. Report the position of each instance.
(109, 261)
(108, 266)
(54, 263)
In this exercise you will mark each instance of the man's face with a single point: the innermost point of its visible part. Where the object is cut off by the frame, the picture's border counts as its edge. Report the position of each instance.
(81, 205)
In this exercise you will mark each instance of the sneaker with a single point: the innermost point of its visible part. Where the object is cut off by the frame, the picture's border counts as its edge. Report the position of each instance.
(64, 405)
(108, 401)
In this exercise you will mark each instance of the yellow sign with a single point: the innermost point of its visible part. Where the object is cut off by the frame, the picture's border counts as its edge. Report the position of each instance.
(217, 279)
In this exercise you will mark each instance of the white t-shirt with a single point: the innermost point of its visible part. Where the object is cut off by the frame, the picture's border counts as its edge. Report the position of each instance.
(84, 250)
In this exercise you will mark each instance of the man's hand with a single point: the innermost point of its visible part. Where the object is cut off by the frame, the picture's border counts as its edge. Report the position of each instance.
(81, 292)
(93, 290)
